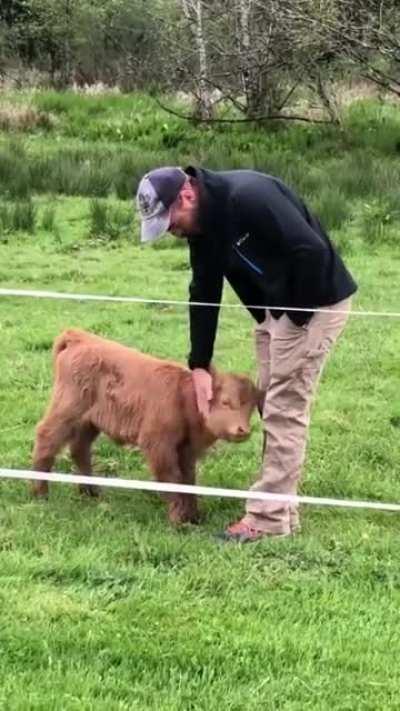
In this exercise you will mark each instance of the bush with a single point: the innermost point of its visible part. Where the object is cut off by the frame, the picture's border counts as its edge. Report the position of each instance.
(376, 221)
(48, 218)
(18, 217)
(14, 173)
(6, 219)
(24, 216)
(128, 169)
(99, 218)
(24, 118)
(109, 222)
(73, 173)
(331, 207)
(375, 125)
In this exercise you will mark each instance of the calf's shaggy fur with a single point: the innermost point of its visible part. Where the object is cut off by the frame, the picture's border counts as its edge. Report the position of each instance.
(138, 400)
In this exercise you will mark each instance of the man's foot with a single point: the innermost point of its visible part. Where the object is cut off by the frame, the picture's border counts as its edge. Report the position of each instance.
(241, 532)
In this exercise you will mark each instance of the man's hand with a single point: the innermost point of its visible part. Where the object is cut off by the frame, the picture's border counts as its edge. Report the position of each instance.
(203, 387)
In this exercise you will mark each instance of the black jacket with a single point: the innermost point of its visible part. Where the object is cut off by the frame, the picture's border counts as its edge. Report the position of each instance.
(261, 237)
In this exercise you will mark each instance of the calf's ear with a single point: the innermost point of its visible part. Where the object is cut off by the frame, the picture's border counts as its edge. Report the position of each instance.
(215, 377)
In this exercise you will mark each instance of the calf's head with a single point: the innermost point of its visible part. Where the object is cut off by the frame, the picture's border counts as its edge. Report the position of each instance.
(234, 399)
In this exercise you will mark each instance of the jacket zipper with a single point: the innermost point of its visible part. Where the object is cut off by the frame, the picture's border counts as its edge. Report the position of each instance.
(248, 261)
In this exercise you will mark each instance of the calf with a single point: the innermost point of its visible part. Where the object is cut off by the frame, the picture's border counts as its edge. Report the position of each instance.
(139, 400)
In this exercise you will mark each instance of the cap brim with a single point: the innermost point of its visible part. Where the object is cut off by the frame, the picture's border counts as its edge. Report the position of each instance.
(155, 227)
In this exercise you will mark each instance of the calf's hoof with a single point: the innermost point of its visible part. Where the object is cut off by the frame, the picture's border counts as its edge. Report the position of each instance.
(179, 513)
(90, 490)
(39, 489)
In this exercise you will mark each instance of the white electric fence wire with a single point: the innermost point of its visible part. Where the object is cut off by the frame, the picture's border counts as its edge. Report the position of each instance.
(38, 294)
(164, 487)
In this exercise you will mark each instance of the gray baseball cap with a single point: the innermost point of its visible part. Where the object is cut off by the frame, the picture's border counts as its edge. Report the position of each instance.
(156, 192)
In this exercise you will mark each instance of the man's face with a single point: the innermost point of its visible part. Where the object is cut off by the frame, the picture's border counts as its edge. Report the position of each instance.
(184, 213)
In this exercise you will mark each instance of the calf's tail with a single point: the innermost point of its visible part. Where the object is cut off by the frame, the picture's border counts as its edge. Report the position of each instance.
(65, 339)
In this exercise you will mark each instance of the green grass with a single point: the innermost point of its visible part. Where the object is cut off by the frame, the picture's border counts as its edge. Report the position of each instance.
(102, 604)
(98, 146)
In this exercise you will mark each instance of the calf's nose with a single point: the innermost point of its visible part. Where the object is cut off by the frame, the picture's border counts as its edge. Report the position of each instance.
(241, 431)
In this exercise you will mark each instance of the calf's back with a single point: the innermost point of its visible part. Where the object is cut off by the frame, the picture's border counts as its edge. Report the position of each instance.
(127, 394)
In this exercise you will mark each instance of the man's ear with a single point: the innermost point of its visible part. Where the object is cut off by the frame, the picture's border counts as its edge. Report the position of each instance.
(187, 193)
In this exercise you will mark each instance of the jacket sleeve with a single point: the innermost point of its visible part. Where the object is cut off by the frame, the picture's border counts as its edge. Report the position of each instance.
(206, 287)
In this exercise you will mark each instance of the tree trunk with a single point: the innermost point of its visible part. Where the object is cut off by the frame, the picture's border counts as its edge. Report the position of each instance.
(66, 73)
(249, 78)
(193, 10)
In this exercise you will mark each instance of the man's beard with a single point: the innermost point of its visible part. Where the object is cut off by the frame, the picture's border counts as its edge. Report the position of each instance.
(194, 231)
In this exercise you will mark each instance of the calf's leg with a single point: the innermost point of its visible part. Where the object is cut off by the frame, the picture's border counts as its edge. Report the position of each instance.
(80, 448)
(51, 435)
(187, 465)
(165, 466)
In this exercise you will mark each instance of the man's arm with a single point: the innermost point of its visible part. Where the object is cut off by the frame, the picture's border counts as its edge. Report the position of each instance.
(206, 287)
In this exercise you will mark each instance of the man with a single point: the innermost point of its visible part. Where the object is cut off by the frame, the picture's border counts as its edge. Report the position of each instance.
(252, 230)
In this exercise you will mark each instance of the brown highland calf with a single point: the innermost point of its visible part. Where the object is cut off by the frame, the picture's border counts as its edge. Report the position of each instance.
(138, 400)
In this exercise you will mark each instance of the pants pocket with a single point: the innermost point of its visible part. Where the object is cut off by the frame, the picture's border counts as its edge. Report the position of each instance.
(314, 362)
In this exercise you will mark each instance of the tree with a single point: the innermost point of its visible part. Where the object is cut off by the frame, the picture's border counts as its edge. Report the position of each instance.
(364, 33)
(193, 13)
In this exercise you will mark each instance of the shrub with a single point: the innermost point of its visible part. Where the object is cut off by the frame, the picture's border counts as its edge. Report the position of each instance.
(48, 218)
(375, 223)
(17, 217)
(24, 216)
(24, 118)
(109, 222)
(14, 172)
(6, 219)
(99, 218)
(331, 207)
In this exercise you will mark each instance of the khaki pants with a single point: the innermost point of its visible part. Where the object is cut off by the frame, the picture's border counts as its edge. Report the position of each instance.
(290, 360)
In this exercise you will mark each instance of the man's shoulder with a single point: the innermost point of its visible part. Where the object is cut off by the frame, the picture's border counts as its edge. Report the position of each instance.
(237, 181)
(231, 195)
(247, 188)
(247, 176)
(247, 181)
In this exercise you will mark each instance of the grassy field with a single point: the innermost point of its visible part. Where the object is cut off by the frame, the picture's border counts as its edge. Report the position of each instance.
(103, 605)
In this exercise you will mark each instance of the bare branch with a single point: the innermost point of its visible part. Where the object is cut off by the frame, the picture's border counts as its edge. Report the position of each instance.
(255, 119)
